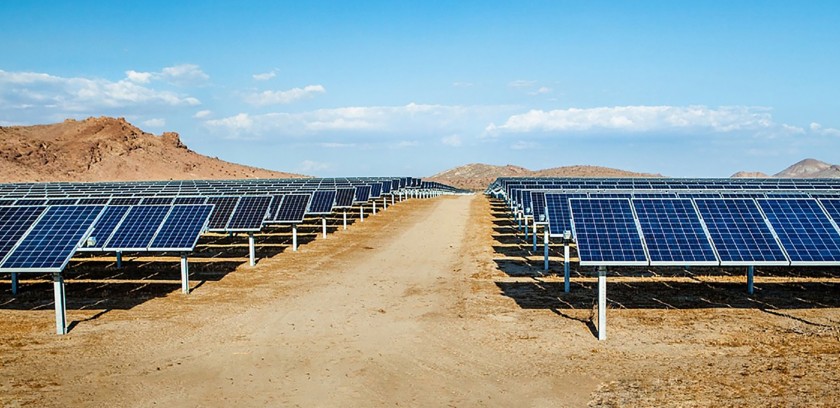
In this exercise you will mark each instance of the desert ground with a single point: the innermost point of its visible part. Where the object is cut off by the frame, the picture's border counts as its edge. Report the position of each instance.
(431, 303)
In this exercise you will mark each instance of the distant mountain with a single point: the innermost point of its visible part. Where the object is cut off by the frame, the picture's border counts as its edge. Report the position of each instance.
(104, 148)
(477, 176)
(810, 168)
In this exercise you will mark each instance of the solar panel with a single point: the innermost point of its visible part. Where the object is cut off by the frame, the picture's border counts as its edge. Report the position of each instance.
(526, 202)
(31, 202)
(93, 201)
(157, 201)
(362, 194)
(293, 208)
(137, 228)
(804, 230)
(739, 232)
(557, 207)
(14, 222)
(124, 201)
(53, 240)
(107, 223)
(190, 200)
(62, 201)
(606, 232)
(673, 232)
(538, 206)
(249, 214)
(386, 187)
(832, 206)
(322, 202)
(375, 190)
(344, 197)
(182, 228)
(7, 202)
(222, 211)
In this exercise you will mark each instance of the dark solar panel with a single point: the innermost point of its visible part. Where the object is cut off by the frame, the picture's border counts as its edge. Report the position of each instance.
(157, 201)
(673, 232)
(93, 201)
(344, 197)
(223, 210)
(558, 213)
(7, 202)
(386, 187)
(526, 202)
(190, 200)
(62, 201)
(538, 205)
(606, 232)
(31, 202)
(804, 229)
(832, 206)
(739, 232)
(375, 190)
(124, 201)
(107, 223)
(362, 194)
(293, 208)
(54, 238)
(182, 228)
(275, 204)
(137, 228)
(249, 214)
(322, 202)
(14, 222)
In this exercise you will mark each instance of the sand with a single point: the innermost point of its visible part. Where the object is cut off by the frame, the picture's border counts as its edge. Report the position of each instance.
(430, 303)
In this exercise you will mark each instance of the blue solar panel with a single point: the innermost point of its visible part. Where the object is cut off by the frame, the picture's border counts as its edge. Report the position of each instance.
(344, 197)
(739, 232)
(538, 205)
(673, 232)
(386, 187)
(375, 190)
(222, 211)
(293, 208)
(14, 222)
(137, 229)
(249, 214)
(322, 202)
(558, 213)
(107, 223)
(832, 206)
(362, 194)
(54, 239)
(606, 232)
(804, 229)
(526, 202)
(182, 228)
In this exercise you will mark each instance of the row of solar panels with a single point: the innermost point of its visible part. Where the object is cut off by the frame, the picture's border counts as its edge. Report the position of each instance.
(503, 185)
(44, 238)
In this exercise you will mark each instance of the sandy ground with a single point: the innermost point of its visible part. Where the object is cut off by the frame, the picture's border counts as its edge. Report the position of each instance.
(430, 303)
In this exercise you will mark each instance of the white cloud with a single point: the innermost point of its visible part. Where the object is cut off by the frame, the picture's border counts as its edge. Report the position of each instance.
(410, 119)
(39, 96)
(824, 131)
(453, 141)
(155, 123)
(202, 114)
(265, 76)
(307, 166)
(640, 119)
(184, 74)
(541, 91)
(138, 77)
(284, 97)
(521, 84)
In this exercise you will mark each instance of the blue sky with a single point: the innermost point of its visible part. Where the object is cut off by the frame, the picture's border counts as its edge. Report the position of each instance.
(412, 88)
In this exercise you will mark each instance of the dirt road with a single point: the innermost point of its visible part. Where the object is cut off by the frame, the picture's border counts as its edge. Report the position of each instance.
(430, 303)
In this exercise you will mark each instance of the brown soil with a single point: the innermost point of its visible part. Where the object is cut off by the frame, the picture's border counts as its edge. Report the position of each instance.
(430, 303)
(97, 149)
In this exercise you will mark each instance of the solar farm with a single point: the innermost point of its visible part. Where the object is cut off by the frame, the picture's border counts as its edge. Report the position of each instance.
(371, 291)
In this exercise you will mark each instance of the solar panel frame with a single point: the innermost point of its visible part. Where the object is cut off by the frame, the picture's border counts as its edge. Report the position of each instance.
(673, 233)
(182, 228)
(50, 243)
(810, 238)
(607, 232)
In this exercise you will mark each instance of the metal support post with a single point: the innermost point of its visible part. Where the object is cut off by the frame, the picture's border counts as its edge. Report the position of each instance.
(251, 250)
(345, 219)
(185, 275)
(60, 304)
(526, 230)
(362, 213)
(14, 283)
(374, 207)
(566, 268)
(384, 203)
(324, 227)
(750, 273)
(545, 247)
(294, 237)
(535, 238)
(602, 303)
(119, 259)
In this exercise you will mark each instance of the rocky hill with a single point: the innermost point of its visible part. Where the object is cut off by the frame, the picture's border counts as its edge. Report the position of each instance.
(105, 148)
(477, 176)
(811, 168)
(749, 174)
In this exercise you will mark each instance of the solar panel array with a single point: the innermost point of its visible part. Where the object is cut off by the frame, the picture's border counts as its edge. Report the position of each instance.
(688, 222)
